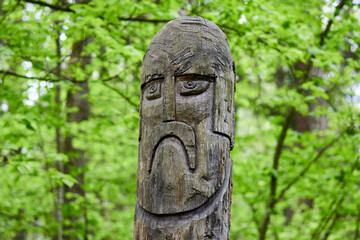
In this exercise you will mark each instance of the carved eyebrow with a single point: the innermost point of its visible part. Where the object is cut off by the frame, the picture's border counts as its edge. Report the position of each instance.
(151, 78)
(194, 77)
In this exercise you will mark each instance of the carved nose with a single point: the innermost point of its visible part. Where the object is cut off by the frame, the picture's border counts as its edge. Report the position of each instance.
(169, 100)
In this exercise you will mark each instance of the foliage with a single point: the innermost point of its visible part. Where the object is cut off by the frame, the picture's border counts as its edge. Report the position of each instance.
(297, 62)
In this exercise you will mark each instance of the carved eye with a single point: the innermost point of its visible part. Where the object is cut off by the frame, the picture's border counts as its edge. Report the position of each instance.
(193, 87)
(153, 90)
(190, 84)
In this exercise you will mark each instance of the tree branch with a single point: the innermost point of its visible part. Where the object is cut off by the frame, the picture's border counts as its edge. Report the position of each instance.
(330, 228)
(260, 40)
(323, 36)
(49, 79)
(3, 78)
(109, 78)
(273, 200)
(326, 218)
(34, 78)
(357, 225)
(52, 6)
(253, 212)
(254, 218)
(122, 95)
(130, 19)
(68, 9)
(307, 168)
(278, 151)
(273, 183)
(332, 215)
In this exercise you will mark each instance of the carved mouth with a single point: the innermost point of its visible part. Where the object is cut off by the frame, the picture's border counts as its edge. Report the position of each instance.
(179, 130)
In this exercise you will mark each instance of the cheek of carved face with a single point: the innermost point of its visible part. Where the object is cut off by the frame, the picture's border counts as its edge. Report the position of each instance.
(194, 98)
(152, 103)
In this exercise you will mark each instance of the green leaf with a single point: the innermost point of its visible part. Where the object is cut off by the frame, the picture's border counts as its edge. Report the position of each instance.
(68, 180)
(28, 124)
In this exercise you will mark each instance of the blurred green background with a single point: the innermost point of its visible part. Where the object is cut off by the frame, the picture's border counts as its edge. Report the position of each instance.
(69, 97)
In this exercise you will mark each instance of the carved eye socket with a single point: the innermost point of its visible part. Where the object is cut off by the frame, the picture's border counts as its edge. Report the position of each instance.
(193, 87)
(153, 90)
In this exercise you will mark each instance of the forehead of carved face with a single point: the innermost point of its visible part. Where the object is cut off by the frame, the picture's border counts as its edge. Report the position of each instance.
(190, 45)
(180, 70)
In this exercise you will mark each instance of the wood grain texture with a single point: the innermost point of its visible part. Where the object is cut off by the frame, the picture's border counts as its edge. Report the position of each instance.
(186, 134)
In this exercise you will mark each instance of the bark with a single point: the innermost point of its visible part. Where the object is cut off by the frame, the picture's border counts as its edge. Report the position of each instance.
(357, 226)
(59, 147)
(309, 123)
(77, 160)
(21, 233)
(186, 133)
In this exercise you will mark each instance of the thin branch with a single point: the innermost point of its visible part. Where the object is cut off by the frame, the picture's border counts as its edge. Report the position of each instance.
(122, 95)
(357, 226)
(4, 14)
(334, 212)
(273, 183)
(253, 212)
(308, 166)
(254, 218)
(127, 25)
(278, 151)
(241, 33)
(109, 78)
(68, 9)
(7, 215)
(330, 228)
(52, 6)
(3, 78)
(50, 79)
(34, 78)
(130, 19)
(324, 220)
(323, 36)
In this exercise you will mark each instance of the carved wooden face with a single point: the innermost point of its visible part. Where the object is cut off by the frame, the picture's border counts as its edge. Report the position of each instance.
(184, 98)
(183, 156)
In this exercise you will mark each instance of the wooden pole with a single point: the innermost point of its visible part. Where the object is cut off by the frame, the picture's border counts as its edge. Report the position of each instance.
(186, 133)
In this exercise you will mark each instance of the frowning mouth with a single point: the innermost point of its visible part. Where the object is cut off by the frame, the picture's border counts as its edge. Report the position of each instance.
(167, 130)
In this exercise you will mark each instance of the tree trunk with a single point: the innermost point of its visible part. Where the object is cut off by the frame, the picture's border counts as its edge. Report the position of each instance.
(21, 233)
(76, 226)
(59, 147)
(301, 123)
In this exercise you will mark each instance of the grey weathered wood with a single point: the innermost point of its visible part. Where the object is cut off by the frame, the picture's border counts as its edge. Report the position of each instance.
(186, 133)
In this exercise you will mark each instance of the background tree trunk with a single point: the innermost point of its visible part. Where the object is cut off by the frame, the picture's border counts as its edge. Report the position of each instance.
(76, 98)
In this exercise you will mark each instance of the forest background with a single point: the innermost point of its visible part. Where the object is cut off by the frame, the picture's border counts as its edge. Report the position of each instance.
(69, 97)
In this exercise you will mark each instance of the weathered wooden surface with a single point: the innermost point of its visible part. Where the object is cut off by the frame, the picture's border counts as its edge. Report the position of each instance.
(186, 134)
